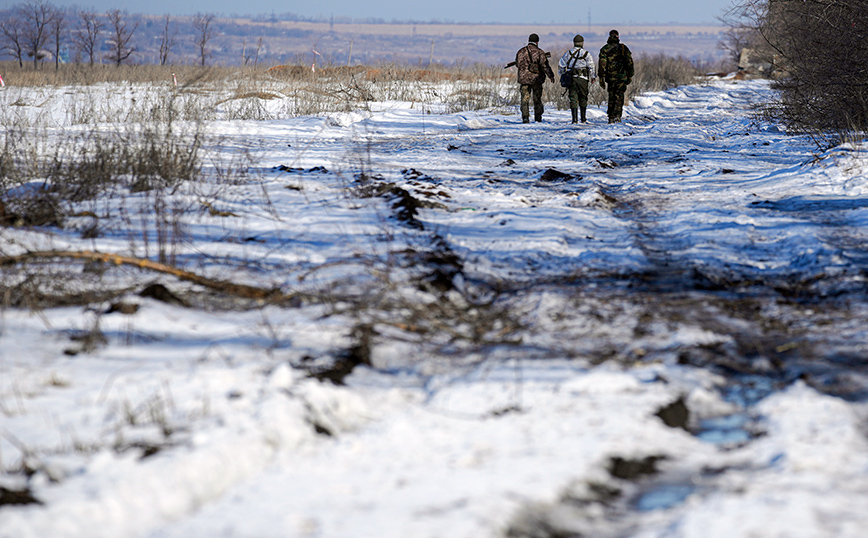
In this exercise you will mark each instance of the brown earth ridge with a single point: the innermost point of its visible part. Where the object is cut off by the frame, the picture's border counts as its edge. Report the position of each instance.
(238, 41)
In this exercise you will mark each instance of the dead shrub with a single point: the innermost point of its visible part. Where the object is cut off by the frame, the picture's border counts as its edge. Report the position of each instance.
(818, 50)
(659, 72)
(38, 207)
(653, 73)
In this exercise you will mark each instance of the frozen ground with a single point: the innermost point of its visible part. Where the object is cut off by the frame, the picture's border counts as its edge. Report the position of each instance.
(652, 329)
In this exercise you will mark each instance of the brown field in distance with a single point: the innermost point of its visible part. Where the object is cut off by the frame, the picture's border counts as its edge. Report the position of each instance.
(498, 30)
(274, 42)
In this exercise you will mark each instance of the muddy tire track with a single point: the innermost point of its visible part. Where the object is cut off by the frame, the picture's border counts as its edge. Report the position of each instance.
(644, 217)
(779, 334)
(805, 327)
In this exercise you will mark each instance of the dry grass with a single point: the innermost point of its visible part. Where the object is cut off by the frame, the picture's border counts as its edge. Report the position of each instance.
(86, 75)
(307, 91)
(83, 74)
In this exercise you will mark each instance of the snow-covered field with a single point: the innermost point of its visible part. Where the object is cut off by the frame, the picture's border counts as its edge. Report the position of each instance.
(651, 329)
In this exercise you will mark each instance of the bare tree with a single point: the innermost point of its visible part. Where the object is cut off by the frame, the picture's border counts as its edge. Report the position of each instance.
(122, 36)
(57, 29)
(202, 23)
(245, 57)
(738, 34)
(258, 50)
(86, 36)
(11, 28)
(744, 31)
(167, 40)
(38, 16)
(820, 52)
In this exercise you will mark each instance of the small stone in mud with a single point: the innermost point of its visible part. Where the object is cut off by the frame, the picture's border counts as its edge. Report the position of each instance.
(555, 175)
(161, 293)
(633, 469)
(13, 496)
(676, 414)
(123, 308)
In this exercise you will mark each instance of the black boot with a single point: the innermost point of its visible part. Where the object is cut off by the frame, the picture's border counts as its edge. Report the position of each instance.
(575, 115)
(584, 116)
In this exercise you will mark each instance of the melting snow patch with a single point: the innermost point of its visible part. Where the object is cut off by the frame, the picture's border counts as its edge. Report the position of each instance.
(652, 100)
(694, 336)
(473, 123)
(346, 119)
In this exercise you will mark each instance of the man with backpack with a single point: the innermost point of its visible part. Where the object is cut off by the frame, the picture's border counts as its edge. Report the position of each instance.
(576, 69)
(616, 72)
(533, 69)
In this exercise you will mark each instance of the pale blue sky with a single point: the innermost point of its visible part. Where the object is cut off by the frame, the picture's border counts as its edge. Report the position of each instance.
(482, 11)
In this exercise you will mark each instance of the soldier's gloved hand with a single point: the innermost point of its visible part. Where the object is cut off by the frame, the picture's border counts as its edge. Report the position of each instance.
(551, 78)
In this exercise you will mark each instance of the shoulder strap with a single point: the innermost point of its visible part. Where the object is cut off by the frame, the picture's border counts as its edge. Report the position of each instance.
(574, 59)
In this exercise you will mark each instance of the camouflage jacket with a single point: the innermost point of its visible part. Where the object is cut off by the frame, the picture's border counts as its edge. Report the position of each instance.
(533, 65)
(616, 61)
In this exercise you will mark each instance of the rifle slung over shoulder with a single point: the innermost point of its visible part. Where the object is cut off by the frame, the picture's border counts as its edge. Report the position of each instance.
(511, 64)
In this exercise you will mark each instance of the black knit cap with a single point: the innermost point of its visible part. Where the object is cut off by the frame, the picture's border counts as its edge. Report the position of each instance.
(613, 33)
(533, 38)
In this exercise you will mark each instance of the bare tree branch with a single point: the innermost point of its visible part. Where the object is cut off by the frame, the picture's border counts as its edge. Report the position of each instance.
(122, 35)
(167, 40)
(821, 53)
(231, 288)
(57, 27)
(38, 16)
(202, 23)
(86, 36)
(12, 29)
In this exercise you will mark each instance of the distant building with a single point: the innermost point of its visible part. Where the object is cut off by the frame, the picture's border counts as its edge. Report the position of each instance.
(753, 63)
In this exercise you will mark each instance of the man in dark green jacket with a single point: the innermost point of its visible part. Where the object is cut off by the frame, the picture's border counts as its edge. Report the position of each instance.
(615, 72)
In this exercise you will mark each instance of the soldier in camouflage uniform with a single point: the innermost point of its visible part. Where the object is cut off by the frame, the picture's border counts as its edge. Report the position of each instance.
(533, 69)
(580, 64)
(616, 72)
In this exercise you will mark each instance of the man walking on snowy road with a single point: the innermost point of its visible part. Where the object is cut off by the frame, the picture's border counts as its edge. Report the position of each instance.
(580, 66)
(616, 72)
(533, 69)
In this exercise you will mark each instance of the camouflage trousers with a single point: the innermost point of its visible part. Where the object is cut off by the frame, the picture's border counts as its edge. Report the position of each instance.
(526, 91)
(617, 89)
(578, 92)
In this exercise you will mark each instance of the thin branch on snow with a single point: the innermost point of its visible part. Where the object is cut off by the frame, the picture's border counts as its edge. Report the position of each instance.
(231, 288)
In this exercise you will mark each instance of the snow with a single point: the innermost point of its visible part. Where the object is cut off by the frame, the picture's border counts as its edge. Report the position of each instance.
(692, 253)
